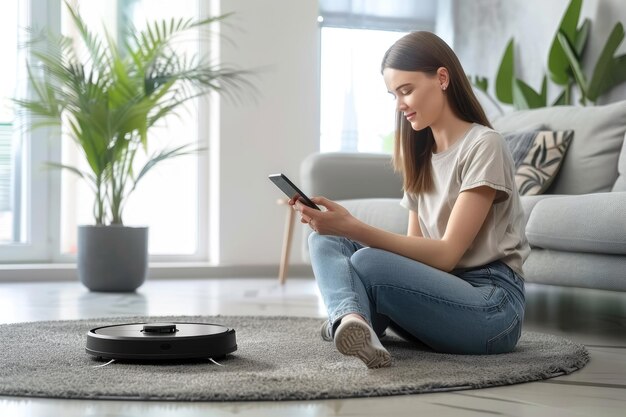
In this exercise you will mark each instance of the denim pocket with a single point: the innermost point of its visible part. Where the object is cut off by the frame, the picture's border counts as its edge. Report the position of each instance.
(505, 277)
(481, 280)
(487, 288)
(506, 340)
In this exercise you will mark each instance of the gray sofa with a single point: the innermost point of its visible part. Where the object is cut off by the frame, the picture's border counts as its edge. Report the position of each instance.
(577, 229)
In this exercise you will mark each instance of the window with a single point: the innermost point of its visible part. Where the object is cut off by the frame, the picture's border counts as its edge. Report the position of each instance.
(41, 209)
(357, 113)
(9, 232)
(22, 187)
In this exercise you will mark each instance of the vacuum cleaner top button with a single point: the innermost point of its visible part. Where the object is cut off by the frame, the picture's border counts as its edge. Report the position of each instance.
(159, 328)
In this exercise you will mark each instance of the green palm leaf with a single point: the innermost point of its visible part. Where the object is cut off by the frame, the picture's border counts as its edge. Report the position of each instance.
(558, 62)
(574, 64)
(95, 47)
(524, 97)
(609, 70)
(163, 155)
(505, 76)
(582, 36)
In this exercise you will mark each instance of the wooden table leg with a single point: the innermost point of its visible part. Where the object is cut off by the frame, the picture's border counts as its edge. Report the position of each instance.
(287, 238)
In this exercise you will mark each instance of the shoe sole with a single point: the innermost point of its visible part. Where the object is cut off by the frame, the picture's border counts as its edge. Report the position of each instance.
(354, 340)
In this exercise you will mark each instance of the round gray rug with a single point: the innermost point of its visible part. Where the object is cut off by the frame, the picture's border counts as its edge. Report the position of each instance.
(278, 358)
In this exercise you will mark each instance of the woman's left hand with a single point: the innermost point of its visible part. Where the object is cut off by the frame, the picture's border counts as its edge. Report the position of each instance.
(335, 220)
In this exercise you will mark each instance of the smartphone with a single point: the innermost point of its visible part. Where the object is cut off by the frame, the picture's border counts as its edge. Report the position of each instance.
(291, 190)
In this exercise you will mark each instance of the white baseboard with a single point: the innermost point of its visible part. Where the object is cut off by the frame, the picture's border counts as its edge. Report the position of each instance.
(67, 272)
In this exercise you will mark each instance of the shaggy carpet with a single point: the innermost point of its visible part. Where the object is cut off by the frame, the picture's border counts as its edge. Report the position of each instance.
(278, 358)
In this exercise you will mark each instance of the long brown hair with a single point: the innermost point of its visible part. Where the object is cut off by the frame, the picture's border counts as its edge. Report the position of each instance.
(426, 52)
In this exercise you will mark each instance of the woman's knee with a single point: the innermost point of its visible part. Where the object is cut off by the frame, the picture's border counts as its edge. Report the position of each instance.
(312, 239)
(315, 240)
(369, 263)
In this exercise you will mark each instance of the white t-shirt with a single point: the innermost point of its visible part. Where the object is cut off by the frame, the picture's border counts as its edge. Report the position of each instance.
(480, 158)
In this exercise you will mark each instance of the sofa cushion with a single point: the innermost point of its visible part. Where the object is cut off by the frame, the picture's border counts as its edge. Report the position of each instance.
(576, 269)
(594, 223)
(590, 164)
(538, 155)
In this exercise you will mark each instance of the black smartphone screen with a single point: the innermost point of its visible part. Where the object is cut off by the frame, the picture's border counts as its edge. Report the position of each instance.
(290, 189)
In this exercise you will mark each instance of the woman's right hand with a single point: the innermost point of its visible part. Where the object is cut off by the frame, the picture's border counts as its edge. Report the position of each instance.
(331, 219)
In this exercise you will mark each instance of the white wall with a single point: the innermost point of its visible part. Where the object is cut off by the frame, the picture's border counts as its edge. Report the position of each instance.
(272, 133)
(482, 29)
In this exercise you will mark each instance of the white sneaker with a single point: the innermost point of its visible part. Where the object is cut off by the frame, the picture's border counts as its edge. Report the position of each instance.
(326, 332)
(354, 337)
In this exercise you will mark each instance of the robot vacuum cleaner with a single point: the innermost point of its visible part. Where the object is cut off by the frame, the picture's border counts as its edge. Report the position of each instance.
(161, 341)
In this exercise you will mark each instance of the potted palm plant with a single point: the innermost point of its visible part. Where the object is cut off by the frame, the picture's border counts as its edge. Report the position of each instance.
(109, 100)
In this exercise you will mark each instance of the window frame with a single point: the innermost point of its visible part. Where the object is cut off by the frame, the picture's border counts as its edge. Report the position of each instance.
(37, 185)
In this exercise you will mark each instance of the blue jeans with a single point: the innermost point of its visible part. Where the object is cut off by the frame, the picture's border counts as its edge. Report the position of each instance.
(478, 311)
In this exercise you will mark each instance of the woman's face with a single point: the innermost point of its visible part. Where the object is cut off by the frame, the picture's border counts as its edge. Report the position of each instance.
(419, 96)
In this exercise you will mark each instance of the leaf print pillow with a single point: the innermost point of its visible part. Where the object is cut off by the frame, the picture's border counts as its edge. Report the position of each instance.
(538, 156)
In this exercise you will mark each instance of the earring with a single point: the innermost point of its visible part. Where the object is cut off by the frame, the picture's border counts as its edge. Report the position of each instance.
(443, 87)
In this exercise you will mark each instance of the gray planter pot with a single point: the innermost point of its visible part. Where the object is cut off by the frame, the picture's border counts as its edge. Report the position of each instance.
(112, 258)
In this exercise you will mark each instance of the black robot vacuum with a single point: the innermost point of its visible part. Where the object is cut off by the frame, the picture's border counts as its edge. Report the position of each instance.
(161, 341)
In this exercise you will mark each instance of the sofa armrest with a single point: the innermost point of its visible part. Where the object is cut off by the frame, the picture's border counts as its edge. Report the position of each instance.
(530, 201)
(384, 213)
(343, 176)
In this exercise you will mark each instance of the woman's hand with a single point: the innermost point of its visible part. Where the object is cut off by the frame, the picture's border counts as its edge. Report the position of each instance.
(335, 220)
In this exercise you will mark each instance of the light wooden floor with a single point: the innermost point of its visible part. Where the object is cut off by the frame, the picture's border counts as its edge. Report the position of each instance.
(595, 318)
